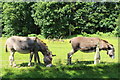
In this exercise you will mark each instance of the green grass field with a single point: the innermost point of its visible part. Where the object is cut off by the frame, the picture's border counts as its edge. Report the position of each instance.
(82, 67)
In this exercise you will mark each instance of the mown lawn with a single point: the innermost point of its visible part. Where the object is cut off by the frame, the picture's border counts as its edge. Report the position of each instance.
(82, 67)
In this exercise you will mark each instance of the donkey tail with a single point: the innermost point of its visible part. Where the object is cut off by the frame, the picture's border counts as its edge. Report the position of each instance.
(70, 41)
(6, 48)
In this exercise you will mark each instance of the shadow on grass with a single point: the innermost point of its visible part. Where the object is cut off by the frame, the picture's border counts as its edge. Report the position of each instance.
(65, 71)
(32, 64)
(87, 62)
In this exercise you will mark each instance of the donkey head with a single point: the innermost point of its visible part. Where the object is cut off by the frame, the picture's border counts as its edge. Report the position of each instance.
(46, 53)
(48, 58)
(111, 51)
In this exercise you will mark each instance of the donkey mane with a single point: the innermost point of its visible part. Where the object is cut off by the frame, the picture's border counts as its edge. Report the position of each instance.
(104, 41)
(42, 42)
(107, 42)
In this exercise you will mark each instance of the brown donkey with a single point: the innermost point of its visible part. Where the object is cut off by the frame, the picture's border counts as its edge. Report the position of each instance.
(90, 44)
(28, 45)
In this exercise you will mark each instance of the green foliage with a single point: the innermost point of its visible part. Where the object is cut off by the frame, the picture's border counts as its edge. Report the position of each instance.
(1, 19)
(97, 34)
(85, 34)
(35, 35)
(53, 18)
(17, 18)
(61, 19)
(32, 35)
(58, 19)
(117, 29)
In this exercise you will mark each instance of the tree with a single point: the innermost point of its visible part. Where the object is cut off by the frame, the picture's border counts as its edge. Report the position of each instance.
(17, 18)
(56, 19)
(1, 19)
(53, 18)
(118, 27)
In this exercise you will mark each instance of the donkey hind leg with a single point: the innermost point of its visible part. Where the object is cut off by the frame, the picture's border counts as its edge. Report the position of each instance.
(70, 56)
(31, 56)
(11, 59)
(97, 56)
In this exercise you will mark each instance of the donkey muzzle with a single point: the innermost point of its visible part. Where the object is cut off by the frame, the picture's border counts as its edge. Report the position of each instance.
(112, 57)
(49, 65)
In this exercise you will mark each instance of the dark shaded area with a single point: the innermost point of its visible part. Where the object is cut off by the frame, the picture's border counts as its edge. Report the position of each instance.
(119, 50)
(77, 71)
(32, 65)
(87, 62)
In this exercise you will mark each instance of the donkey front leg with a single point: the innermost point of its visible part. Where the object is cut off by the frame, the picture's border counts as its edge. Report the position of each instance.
(69, 56)
(37, 56)
(11, 59)
(97, 58)
(97, 55)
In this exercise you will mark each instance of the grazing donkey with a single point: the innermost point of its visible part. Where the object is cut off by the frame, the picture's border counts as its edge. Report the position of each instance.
(28, 45)
(90, 44)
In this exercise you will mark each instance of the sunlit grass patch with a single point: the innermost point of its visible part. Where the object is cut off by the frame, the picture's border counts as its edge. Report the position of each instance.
(82, 66)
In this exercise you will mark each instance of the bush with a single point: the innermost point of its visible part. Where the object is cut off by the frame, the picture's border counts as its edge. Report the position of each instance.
(41, 36)
(32, 35)
(85, 34)
(35, 35)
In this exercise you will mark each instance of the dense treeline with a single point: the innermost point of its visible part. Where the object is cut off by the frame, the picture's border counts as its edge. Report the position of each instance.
(57, 19)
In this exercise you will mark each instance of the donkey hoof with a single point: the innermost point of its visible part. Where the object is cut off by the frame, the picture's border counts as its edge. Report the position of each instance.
(29, 64)
(96, 61)
(39, 63)
(11, 65)
(14, 65)
(49, 65)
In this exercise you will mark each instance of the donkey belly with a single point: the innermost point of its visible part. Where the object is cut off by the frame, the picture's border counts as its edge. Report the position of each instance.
(23, 49)
(88, 49)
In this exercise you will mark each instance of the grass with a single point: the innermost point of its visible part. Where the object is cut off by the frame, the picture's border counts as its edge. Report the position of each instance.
(82, 67)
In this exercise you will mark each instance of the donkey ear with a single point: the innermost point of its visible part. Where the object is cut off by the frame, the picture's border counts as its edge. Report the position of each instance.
(110, 47)
(35, 39)
(53, 55)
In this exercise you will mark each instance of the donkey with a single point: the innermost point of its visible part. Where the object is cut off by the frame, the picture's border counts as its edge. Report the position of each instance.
(90, 44)
(28, 45)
